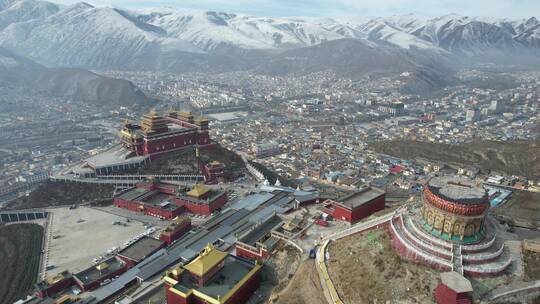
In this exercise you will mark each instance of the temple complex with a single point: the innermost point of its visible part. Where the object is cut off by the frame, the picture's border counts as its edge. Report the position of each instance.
(157, 134)
(168, 201)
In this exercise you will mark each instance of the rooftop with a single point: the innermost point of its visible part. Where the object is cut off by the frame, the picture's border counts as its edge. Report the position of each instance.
(133, 194)
(456, 282)
(95, 273)
(160, 200)
(117, 155)
(198, 191)
(225, 281)
(260, 231)
(142, 248)
(42, 285)
(360, 198)
(213, 195)
(207, 260)
(458, 188)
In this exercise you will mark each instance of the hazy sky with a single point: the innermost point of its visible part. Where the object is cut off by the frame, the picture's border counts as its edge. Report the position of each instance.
(496, 8)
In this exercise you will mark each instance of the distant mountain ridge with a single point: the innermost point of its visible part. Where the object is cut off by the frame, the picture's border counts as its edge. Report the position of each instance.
(72, 84)
(85, 36)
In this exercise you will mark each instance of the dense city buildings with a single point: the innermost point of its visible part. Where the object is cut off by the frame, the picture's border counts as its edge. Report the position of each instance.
(309, 172)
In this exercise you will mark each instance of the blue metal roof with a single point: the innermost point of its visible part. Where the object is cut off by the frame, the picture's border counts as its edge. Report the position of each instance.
(252, 202)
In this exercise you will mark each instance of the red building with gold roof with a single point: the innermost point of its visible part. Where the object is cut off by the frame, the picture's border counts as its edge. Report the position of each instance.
(169, 201)
(157, 134)
(213, 277)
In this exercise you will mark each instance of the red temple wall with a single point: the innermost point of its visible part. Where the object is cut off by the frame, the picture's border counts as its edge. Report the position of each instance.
(249, 254)
(96, 284)
(176, 234)
(240, 297)
(367, 209)
(245, 292)
(205, 209)
(54, 289)
(148, 210)
(445, 295)
(173, 298)
(169, 143)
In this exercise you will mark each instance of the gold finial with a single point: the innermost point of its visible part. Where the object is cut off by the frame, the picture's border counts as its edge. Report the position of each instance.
(209, 248)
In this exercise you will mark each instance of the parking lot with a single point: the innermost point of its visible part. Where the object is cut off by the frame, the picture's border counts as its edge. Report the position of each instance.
(77, 236)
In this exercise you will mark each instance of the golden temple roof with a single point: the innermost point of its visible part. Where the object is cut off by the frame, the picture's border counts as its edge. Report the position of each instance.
(152, 113)
(198, 191)
(201, 119)
(185, 114)
(57, 278)
(207, 260)
(152, 122)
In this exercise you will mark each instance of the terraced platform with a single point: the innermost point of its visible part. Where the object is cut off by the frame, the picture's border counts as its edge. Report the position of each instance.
(487, 257)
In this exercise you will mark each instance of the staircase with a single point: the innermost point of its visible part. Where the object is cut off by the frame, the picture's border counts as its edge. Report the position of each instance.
(457, 261)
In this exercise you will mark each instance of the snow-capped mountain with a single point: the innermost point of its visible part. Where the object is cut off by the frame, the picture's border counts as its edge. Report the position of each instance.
(24, 10)
(210, 30)
(82, 35)
(85, 36)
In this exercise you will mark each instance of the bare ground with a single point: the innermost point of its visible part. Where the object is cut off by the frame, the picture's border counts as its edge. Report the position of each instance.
(50, 194)
(522, 209)
(366, 269)
(532, 265)
(519, 157)
(305, 287)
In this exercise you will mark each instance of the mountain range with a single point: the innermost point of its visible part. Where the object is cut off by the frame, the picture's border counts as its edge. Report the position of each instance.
(68, 83)
(89, 37)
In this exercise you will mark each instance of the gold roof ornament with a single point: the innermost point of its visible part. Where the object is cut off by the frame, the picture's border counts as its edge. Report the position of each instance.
(102, 266)
(207, 260)
(198, 191)
(173, 112)
(57, 278)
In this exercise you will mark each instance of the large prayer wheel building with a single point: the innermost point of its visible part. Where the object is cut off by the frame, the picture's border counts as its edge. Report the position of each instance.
(449, 229)
(454, 209)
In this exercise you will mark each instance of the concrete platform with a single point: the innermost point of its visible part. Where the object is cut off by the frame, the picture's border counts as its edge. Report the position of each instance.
(80, 235)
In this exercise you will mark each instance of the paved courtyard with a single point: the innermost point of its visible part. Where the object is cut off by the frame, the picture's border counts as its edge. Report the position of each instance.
(77, 236)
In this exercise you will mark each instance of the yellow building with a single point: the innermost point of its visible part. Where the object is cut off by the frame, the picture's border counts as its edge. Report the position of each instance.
(213, 277)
